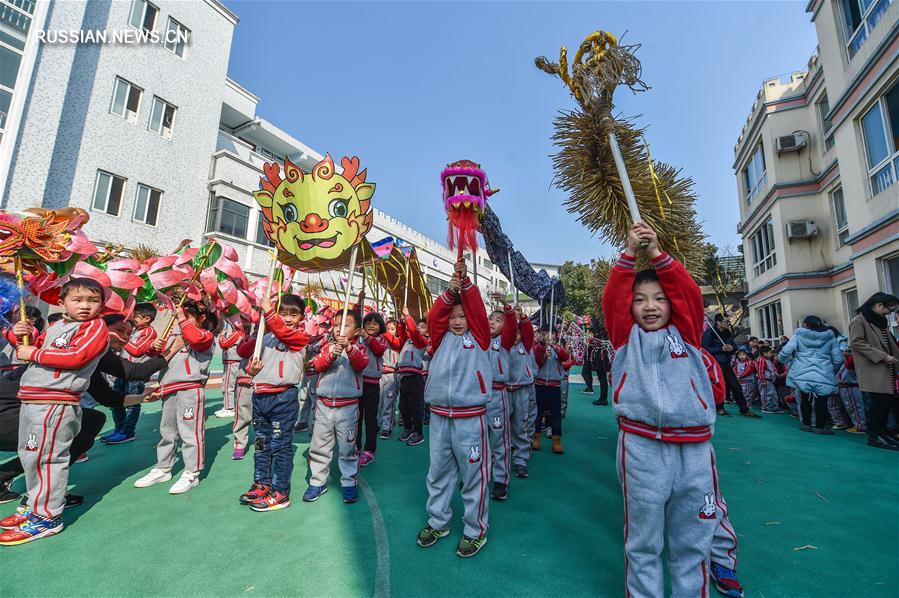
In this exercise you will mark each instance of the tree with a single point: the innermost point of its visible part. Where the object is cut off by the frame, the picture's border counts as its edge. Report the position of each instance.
(576, 278)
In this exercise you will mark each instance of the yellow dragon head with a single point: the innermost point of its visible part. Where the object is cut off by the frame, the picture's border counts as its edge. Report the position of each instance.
(315, 216)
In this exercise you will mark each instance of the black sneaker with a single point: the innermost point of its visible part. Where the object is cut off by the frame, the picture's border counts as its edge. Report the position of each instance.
(805, 428)
(405, 435)
(415, 439)
(500, 491)
(521, 471)
(429, 536)
(883, 442)
(468, 547)
(587, 391)
(73, 500)
(751, 415)
(7, 495)
(384, 435)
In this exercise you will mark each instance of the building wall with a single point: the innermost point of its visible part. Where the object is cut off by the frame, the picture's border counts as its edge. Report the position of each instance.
(70, 102)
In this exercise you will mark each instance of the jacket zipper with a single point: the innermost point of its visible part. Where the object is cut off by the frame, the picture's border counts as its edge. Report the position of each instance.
(655, 375)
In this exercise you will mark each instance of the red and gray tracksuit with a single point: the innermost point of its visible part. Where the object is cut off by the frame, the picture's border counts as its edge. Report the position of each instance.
(498, 408)
(457, 392)
(765, 372)
(228, 341)
(746, 375)
(338, 391)
(275, 403)
(139, 345)
(307, 389)
(519, 389)
(390, 384)
(181, 383)
(847, 380)
(371, 393)
(664, 403)
(243, 405)
(50, 415)
(412, 382)
(548, 385)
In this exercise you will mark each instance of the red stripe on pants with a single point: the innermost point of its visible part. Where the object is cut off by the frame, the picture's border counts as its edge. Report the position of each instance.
(40, 477)
(624, 486)
(52, 444)
(483, 469)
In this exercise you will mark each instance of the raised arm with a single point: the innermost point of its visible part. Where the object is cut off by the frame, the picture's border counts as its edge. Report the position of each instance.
(527, 333)
(294, 338)
(475, 313)
(196, 338)
(438, 318)
(617, 297)
(510, 328)
(142, 344)
(226, 341)
(377, 344)
(90, 341)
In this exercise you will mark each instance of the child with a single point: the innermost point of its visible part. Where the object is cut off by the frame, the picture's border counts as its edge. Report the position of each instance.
(229, 339)
(457, 394)
(50, 416)
(847, 380)
(339, 364)
(548, 382)
(373, 328)
(138, 350)
(181, 385)
(744, 368)
(767, 373)
(665, 406)
(519, 386)
(310, 381)
(243, 410)
(412, 382)
(503, 330)
(276, 375)
(9, 341)
(389, 381)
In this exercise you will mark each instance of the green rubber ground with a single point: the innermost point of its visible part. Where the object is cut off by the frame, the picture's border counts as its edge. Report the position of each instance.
(816, 516)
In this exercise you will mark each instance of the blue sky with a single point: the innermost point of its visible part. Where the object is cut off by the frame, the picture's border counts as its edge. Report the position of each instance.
(411, 86)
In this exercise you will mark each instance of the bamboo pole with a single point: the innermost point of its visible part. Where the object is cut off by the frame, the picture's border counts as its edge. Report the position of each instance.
(349, 288)
(260, 331)
(20, 282)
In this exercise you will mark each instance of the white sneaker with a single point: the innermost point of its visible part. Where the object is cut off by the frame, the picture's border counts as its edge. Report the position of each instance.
(225, 413)
(155, 476)
(188, 480)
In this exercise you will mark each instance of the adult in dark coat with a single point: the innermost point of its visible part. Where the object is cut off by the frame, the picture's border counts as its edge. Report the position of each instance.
(718, 340)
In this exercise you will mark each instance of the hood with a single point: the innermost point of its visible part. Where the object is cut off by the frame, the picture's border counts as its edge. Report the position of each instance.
(812, 339)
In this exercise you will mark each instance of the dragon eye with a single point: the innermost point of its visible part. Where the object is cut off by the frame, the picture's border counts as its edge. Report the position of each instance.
(338, 208)
(290, 212)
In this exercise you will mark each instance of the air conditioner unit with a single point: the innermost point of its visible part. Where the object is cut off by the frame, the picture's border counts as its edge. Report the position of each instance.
(801, 229)
(791, 143)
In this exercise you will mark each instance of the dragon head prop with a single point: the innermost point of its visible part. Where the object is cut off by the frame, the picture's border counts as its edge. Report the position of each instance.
(465, 192)
(318, 217)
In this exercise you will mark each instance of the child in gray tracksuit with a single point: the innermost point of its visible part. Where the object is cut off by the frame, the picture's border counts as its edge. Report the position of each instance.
(457, 393)
(339, 365)
(230, 337)
(390, 383)
(765, 374)
(243, 410)
(307, 390)
(519, 389)
(50, 415)
(504, 330)
(181, 385)
(666, 410)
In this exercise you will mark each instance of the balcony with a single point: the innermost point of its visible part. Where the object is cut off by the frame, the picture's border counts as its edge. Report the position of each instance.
(241, 149)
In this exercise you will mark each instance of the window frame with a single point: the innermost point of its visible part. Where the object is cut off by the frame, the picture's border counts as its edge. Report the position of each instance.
(852, 44)
(220, 210)
(126, 111)
(770, 318)
(889, 164)
(150, 190)
(173, 46)
(754, 188)
(143, 15)
(162, 128)
(260, 232)
(758, 244)
(823, 107)
(847, 304)
(840, 231)
(105, 208)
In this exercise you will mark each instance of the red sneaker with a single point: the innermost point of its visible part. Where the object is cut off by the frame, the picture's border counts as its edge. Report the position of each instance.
(14, 520)
(255, 492)
(271, 502)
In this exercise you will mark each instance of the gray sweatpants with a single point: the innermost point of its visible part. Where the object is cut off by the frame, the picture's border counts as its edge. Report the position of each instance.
(390, 389)
(500, 435)
(519, 424)
(459, 446)
(182, 418)
(45, 435)
(334, 424)
(307, 399)
(532, 409)
(724, 542)
(243, 415)
(229, 383)
(669, 494)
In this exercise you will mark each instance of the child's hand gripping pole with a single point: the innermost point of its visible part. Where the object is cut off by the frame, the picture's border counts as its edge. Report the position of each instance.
(349, 288)
(260, 331)
(200, 266)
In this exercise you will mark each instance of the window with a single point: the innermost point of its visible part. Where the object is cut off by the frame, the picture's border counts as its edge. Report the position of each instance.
(826, 124)
(146, 206)
(891, 286)
(880, 127)
(850, 300)
(754, 175)
(261, 237)
(143, 15)
(437, 286)
(162, 118)
(487, 263)
(108, 192)
(841, 225)
(770, 321)
(176, 37)
(763, 254)
(126, 100)
(230, 217)
(861, 16)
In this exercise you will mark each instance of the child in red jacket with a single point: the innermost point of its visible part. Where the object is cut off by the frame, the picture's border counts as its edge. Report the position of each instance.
(665, 407)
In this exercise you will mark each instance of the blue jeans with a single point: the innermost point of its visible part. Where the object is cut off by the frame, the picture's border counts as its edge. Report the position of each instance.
(274, 416)
(125, 418)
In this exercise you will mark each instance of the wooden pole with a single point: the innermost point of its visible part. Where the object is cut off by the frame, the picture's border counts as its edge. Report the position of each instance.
(349, 288)
(20, 282)
(260, 330)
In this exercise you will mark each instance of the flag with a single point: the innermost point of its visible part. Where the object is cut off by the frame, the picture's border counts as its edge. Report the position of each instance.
(383, 247)
(405, 247)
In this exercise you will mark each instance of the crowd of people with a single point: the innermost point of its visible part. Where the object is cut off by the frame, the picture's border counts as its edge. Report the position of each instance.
(487, 385)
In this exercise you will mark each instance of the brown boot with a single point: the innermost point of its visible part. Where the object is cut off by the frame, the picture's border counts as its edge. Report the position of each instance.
(557, 445)
(536, 444)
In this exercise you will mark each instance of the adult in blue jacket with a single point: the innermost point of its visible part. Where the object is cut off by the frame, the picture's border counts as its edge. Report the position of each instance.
(816, 359)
